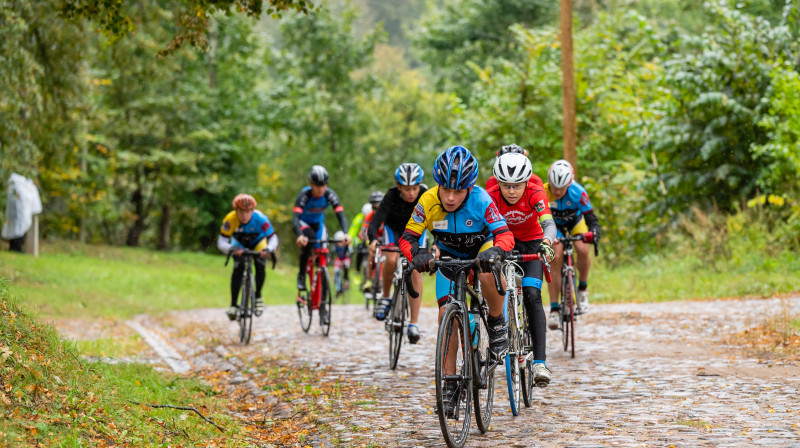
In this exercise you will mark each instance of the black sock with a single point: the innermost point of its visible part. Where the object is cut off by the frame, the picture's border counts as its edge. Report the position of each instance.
(582, 286)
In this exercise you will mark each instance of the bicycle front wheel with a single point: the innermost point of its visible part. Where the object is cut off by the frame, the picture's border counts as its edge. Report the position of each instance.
(512, 366)
(483, 377)
(246, 311)
(304, 310)
(453, 377)
(327, 302)
(568, 313)
(395, 322)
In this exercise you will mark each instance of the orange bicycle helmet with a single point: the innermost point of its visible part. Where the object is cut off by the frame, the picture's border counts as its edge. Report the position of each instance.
(244, 201)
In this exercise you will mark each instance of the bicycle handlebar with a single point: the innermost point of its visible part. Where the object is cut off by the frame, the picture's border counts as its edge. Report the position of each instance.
(473, 263)
(587, 237)
(252, 253)
(531, 257)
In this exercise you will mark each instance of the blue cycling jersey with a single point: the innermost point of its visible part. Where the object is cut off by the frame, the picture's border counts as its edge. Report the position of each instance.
(568, 210)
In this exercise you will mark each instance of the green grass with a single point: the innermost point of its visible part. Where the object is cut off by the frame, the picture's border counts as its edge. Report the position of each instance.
(111, 347)
(49, 397)
(76, 280)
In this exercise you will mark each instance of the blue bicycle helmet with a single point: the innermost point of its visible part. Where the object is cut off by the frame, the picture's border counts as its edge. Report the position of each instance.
(409, 174)
(456, 168)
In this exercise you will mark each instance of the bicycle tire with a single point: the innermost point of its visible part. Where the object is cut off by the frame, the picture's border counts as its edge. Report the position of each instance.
(395, 322)
(328, 300)
(482, 388)
(572, 314)
(526, 373)
(568, 313)
(246, 311)
(452, 327)
(512, 357)
(304, 310)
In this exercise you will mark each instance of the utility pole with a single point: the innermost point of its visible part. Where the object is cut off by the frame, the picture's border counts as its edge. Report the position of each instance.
(568, 84)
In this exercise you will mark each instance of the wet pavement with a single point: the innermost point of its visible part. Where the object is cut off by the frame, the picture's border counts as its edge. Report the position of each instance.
(643, 375)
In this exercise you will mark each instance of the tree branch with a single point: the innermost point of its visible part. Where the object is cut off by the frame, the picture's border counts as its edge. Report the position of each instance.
(182, 408)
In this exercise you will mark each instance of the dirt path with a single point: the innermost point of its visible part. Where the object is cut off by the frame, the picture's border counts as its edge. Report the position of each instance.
(643, 375)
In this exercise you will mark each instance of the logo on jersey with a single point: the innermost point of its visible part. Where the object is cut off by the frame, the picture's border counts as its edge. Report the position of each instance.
(516, 217)
(419, 214)
(584, 199)
(492, 214)
(265, 227)
(226, 226)
(469, 223)
(540, 206)
(440, 225)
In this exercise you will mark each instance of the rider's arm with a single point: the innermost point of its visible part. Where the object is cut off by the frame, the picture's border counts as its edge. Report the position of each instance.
(503, 238)
(355, 226)
(592, 223)
(377, 219)
(538, 201)
(272, 242)
(299, 206)
(338, 208)
(224, 244)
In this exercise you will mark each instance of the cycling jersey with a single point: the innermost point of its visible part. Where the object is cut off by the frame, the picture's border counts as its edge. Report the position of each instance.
(460, 233)
(247, 235)
(567, 211)
(529, 215)
(355, 226)
(533, 180)
(393, 212)
(311, 210)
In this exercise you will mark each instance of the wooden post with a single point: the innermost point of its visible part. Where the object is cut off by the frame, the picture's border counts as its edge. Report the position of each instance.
(568, 84)
(32, 238)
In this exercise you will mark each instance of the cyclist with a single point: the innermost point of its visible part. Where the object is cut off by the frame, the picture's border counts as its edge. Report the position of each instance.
(572, 210)
(355, 228)
(375, 199)
(341, 262)
(525, 207)
(393, 214)
(308, 220)
(246, 228)
(466, 224)
(512, 149)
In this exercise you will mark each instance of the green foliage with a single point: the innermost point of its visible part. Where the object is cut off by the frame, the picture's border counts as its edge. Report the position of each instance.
(50, 397)
(116, 19)
(460, 32)
(718, 87)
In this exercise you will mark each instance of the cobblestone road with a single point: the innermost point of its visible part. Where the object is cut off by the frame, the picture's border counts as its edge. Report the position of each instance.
(643, 375)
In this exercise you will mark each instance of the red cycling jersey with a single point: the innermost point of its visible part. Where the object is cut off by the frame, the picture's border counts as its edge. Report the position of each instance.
(523, 218)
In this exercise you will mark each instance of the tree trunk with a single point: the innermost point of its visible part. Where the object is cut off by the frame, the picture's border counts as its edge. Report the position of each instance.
(568, 84)
(164, 227)
(136, 230)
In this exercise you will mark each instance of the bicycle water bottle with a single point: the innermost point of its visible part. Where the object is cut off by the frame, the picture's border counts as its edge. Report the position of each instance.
(473, 328)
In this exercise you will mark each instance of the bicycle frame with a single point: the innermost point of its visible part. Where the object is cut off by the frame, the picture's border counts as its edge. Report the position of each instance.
(320, 259)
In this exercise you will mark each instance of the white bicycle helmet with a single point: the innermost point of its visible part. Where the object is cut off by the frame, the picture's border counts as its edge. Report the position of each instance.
(512, 168)
(366, 208)
(338, 236)
(560, 174)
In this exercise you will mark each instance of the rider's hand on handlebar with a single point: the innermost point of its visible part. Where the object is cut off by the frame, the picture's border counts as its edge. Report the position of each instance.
(489, 256)
(423, 261)
(264, 253)
(590, 237)
(302, 240)
(347, 239)
(547, 252)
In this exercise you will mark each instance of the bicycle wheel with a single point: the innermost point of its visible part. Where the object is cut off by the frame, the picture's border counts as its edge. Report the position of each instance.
(526, 370)
(395, 322)
(451, 343)
(483, 379)
(512, 359)
(246, 310)
(337, 283)
(304, 310)
(327, 301)
(568, 313)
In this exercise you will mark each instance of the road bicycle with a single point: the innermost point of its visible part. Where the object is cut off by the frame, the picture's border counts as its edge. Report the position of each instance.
(398, 313)
(341, 284)
(519, 360)
(317, 295)
(244, 317)
(462, 348)
(375, 292)
(569, 288)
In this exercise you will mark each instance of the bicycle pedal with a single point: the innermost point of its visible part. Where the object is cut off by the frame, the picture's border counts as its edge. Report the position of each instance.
(541, 383)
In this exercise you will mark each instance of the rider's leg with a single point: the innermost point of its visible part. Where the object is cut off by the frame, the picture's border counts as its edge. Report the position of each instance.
(236, 279)
(305, 254)
(584, 261)
(414, 304)
(389, 264)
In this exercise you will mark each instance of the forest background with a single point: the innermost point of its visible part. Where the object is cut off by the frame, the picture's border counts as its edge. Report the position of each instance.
(139, 133)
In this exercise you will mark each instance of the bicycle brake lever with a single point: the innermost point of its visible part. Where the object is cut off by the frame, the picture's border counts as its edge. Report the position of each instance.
(228, 258)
